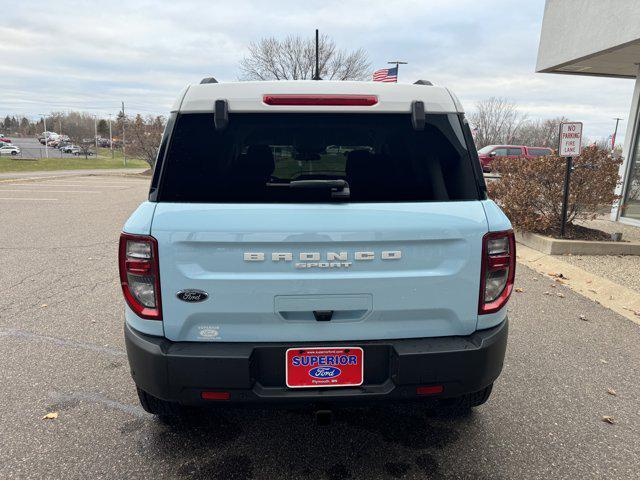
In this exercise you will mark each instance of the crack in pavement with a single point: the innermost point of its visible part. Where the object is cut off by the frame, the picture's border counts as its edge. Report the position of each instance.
(138, 412)
(61, 342)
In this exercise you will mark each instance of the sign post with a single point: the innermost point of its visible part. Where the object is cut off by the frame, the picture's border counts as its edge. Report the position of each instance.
(570, 146)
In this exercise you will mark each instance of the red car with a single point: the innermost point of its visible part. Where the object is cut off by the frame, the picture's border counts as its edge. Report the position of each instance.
(4, 139)
(490, 152)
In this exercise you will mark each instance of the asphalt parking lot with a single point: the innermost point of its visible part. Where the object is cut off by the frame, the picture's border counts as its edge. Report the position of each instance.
(62, 350)
(32, 148)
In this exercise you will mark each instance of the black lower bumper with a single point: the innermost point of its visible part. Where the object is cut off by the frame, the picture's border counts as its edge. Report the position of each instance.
(255, 372)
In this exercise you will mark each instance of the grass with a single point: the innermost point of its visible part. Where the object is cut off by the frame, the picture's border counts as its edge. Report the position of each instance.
(102, 160)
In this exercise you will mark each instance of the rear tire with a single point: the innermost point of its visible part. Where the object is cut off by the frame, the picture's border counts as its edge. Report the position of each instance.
(460, 406)
(157, 406)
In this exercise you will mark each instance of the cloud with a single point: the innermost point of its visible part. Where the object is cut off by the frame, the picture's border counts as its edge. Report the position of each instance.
(90, 57)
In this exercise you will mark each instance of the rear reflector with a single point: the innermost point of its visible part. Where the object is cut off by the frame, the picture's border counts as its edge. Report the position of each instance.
(215, 395)
(430, 390)
(319, 99)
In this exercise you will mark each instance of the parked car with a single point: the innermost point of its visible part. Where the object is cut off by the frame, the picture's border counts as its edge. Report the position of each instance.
(382, 274)
(4, 139)
(79, 151)
(69, 148)
(9, 149)
(491, 152)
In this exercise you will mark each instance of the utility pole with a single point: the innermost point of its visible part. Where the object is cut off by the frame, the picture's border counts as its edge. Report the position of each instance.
(110, 138)
(397, 63)
(95, 132)
(615, 132)
(46, 140)
(124, 122)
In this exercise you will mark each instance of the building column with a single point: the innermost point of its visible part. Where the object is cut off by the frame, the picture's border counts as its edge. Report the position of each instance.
(630, 139)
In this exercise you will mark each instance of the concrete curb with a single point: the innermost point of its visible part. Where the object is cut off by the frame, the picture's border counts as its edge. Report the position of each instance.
(73, 175)
(554, 246)
(622, 300)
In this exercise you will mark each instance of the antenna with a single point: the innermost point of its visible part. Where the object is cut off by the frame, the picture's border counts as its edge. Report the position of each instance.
(317, 74)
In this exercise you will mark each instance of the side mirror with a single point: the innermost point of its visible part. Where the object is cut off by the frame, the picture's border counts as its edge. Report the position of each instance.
(492, 154)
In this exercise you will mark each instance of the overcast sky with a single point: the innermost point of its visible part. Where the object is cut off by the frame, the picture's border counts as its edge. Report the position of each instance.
(62, 54)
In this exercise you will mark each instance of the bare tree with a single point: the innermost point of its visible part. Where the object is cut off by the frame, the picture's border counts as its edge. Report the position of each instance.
(294, 59)
(540, 133)
(144, 136)
(496, 121)
(85, 147)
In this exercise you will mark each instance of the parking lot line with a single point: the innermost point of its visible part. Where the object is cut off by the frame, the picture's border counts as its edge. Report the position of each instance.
(47, 191)
(28, 198)
(65, 185)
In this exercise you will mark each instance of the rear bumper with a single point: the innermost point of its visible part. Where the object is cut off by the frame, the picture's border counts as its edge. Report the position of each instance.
(255, 372)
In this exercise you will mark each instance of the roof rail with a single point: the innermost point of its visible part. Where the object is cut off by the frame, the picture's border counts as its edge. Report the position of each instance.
(208, 80)
(423, 82)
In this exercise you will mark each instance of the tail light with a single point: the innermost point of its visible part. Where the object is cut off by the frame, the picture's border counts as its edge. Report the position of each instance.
(321, 99)
(498, 270)
(140, 275)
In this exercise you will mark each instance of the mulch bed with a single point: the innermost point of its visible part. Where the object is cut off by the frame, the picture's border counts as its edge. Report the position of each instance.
(578, 232)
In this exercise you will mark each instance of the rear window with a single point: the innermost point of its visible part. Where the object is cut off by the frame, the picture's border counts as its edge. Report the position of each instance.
(539, 152)
(290, 157)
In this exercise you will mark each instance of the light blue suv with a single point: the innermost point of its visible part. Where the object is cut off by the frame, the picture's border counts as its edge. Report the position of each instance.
(309, 242)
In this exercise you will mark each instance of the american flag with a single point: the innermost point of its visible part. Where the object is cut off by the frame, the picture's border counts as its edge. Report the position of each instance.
(386, 75)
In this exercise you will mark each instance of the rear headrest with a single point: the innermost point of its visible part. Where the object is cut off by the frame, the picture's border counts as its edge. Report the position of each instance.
(259, 161)
(358, 161)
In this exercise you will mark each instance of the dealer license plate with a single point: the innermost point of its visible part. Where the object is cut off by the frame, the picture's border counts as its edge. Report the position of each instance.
(324, 367)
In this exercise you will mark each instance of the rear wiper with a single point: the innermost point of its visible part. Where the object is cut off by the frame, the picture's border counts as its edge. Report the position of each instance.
(339, 188)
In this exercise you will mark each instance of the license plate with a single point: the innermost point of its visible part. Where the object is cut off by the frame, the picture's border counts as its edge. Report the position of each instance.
(324, 367)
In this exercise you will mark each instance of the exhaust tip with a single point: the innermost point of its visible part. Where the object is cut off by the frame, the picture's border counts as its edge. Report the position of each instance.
(323, 417)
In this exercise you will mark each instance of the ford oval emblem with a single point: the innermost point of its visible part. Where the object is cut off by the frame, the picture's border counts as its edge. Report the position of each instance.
(324, 372)
(192, 296)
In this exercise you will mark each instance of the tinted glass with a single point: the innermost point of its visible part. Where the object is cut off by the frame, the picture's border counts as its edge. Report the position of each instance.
(264, 157)
(514, 152)
(539, 152)
(500, 152)
(486, 149)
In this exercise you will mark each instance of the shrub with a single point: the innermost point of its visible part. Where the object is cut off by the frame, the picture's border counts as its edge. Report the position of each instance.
(530, 191)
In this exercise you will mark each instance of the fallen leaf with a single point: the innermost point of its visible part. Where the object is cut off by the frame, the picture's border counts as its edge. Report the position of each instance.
(546, 293)
(584, 318)
(553, 286)
(561, 295)
(519, 290)
(558, 276)
(44, 305)
(50, 416)
(609, 419)
(611, 391)
(593, 291)
(589, 281)
(602, 360)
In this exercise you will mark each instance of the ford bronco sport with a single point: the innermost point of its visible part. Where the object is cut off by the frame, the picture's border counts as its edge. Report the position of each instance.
(313, 242)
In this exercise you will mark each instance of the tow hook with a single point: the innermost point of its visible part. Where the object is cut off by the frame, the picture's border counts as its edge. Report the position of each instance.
(323, 417)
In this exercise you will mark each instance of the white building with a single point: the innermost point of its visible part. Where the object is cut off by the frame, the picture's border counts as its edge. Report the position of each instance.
(600, 38)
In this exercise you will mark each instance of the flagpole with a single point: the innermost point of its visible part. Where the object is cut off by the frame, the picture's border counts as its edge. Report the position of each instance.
(397, 64)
